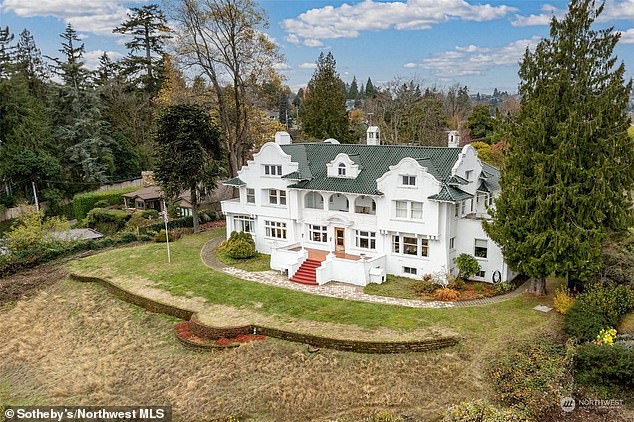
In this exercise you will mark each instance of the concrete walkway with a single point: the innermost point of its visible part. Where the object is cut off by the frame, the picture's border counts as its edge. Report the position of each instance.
(335, 289)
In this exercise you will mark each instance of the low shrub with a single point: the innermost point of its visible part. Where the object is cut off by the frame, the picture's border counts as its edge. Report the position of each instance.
(102, 203)
(563, 300)
(446, 295)
(598, 308)
(240, 245)
(428, 277)
(604, 365)
(423, 287)
(467, 265)
(457, 283)
(504, 287)
(481, 411)
(160, 237)
(149, 214)
(529, 373)
(384, 417)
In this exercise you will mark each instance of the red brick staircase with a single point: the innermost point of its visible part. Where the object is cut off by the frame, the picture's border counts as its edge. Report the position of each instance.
(306, 274)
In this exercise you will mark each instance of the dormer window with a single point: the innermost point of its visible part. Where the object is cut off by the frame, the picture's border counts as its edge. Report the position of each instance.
(341, 170)
(467, 174)
(272, 170)
(409, 180)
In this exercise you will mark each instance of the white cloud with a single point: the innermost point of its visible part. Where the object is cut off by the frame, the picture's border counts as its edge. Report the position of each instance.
(627, 37)
(91, 58)
(614, 10)
(348, 21)
(410, 65)
(310, 42)
(308, 65)
(94, 16)
(281, 67)
(473, 60)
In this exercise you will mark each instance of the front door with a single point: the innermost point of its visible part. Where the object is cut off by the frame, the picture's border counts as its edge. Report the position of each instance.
(340, 242)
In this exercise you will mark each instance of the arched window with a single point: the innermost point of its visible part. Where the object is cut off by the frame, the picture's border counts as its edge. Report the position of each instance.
(314, 200)
(338, 202)
(364, 205)
(341, 170)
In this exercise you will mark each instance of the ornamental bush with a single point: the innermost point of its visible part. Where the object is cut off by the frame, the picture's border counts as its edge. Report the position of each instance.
(598, 308)
(240, 245)
(481, 411)
(84, 202)
(563, 300)
(604, 365)
(467, 265)
(446, 295)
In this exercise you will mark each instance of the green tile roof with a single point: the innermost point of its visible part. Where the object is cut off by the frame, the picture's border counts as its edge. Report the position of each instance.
(295, 175)
(457, 180)
(234, 182)
(450, 194)
(374, 161)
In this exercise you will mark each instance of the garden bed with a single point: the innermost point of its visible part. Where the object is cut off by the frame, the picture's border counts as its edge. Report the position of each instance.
(408, 288)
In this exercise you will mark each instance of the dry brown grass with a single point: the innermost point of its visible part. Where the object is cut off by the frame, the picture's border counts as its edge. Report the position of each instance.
(74, 343)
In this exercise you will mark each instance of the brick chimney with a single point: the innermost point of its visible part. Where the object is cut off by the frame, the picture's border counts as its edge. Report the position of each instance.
(148, 178)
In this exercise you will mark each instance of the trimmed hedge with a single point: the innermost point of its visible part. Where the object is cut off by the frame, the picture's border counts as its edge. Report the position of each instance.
(107, 221)
(84, 202)
(603, 365)
(177, 223)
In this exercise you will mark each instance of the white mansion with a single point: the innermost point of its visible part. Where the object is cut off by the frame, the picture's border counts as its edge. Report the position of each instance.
(352, 213)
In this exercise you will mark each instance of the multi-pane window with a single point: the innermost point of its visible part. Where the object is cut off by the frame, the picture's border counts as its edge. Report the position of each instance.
(416, 213)
(457, 210)
(365, 239)
(480, 274)
(396, 244)
(480, 248)
(401, 209)
(341, 169)
(317, 233)
(272, 170)
(464, 207)
(452, 243)
(424, 247)
(409, 180)
(410, 270)
(250, 196)
(275, 229)
(410, 245)
(243, 224)
(277, 197)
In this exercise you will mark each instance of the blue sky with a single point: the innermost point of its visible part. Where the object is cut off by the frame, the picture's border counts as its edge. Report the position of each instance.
(440, 42)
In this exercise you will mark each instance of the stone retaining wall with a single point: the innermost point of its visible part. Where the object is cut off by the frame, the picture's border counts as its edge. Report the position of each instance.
(202, 330)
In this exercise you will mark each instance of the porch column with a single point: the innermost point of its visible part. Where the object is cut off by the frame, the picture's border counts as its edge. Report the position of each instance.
(351, 200)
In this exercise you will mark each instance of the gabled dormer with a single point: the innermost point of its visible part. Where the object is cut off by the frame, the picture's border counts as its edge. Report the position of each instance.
(343, 166)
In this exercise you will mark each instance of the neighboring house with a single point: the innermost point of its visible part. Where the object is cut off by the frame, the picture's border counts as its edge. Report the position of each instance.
(150, 196)
(352, 213)
(78, 234)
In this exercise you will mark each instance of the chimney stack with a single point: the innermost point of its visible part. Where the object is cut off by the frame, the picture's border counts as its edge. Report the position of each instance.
(148, 178)
(454, 139)
(373, 136)
(283, 138)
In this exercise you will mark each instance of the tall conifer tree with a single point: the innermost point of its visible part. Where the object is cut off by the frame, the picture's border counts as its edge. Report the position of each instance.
(569, 176)
(323, 113)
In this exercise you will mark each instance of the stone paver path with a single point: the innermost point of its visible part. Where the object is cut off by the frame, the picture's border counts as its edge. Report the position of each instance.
(335, 289)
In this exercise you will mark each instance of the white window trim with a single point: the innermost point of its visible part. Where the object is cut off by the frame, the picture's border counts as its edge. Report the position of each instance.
(247, 196)
(278, 196)
(408, 211)
(419, 246)
(271, 226)
(474, 250)
(275, 170)
(243, 219)
(317, 228)
(371, 236)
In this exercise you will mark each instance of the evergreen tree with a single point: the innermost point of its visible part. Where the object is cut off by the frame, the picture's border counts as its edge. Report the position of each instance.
(6, 37)
(30, 63)
(480, 123)
(188, 150)
(71, 70)
(323, 113)
(568, 179)
(148, 27)
(353, 91)
(369, 88)
(283, 109)
(106, 71)
(362, 91)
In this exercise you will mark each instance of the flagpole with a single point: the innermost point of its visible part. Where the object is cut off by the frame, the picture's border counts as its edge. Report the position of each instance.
(167, 235)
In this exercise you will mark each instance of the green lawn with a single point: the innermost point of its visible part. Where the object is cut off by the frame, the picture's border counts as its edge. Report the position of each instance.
(260, 262)
(187, 276)
(394, 286)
